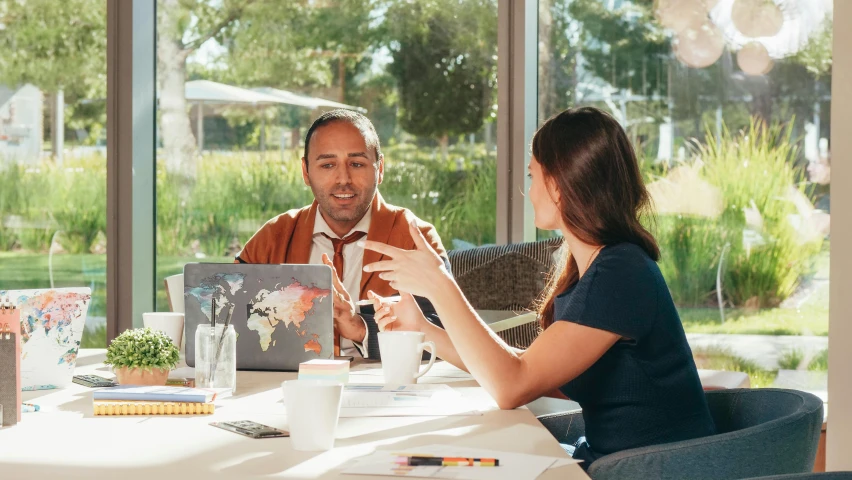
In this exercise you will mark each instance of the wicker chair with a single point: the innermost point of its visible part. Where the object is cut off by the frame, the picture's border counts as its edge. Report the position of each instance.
(502, 283)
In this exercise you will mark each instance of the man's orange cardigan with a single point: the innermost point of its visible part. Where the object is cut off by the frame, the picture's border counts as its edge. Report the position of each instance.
(288, 238)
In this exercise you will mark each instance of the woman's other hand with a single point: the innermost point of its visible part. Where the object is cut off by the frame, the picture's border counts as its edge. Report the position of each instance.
(402, 315)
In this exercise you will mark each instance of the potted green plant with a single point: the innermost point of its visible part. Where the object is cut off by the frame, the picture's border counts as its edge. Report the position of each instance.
(142, 357)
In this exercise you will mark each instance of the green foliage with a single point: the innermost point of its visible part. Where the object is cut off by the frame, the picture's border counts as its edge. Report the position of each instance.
(718, 358)
(94, 337)
(444, 62)
(816, 55)
(621, 46)
(790, 360)
(755, 169)
(70, 199)
(764, 263)
(55, 45)
(690, 250)
(819, 362)
(142, 348)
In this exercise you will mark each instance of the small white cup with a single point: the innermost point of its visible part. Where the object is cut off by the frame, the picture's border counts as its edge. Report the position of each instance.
(401, 356)
(313, 408)
(168, 322)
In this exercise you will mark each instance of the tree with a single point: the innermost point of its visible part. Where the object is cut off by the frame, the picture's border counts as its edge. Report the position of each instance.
(182, 27)
(266, 43)
(60, 47)
(444, 62)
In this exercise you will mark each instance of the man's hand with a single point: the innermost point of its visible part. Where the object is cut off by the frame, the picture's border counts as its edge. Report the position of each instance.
(346, 319)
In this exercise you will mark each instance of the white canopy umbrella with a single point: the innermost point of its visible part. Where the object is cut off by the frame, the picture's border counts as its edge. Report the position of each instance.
(206, 92)
(306, 101)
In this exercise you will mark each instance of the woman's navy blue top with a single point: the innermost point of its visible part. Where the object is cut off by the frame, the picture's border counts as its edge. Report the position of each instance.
(645, 389)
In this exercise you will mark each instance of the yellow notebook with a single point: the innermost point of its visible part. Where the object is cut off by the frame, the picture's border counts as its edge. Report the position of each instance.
(128, 407)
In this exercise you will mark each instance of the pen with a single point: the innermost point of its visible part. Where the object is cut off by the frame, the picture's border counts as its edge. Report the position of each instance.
(425, 461)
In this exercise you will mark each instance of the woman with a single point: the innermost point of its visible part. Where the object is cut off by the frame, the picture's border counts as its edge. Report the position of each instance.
(612, 339)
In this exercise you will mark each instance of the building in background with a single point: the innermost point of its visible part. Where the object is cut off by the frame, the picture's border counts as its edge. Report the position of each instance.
(20, 124)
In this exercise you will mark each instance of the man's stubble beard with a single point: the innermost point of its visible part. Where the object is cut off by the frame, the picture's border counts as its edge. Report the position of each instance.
(326, 205)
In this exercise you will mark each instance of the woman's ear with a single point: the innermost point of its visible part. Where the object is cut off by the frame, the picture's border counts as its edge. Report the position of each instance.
(553, 191)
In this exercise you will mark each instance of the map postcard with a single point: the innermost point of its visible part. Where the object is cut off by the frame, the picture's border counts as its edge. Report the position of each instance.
(283, 314)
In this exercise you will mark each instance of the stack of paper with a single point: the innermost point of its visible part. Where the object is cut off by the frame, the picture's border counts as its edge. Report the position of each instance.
(369, 400)
(320, 369)
(512, 466)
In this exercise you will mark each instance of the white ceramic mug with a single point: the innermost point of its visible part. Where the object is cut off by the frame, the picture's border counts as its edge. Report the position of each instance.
(169, 322)
(313, 408)
(401, 356)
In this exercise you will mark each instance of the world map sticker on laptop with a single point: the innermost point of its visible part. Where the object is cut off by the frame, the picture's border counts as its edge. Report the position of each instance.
(282, 315)
(52, 323)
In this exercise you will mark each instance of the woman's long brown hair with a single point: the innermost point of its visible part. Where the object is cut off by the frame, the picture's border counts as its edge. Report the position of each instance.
(587, 156)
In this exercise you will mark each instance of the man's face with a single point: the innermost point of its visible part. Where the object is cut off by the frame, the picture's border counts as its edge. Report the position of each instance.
(343, 173)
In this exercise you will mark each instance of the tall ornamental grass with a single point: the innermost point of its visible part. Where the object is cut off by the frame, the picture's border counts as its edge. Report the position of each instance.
(767, 257)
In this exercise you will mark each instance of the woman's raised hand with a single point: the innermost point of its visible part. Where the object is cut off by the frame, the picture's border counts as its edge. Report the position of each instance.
(420, 271)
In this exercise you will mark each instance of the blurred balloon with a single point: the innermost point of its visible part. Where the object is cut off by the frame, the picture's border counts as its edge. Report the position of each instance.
(753, 59)
(679, 15)
(757, 18)
(700, 47)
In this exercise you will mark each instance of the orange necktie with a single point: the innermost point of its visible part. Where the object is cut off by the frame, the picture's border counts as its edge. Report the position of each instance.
(338, 244)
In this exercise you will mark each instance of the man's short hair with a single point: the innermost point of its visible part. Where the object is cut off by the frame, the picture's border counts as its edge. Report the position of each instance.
(357, 120)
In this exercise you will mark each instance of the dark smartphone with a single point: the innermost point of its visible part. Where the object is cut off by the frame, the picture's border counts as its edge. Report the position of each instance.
(344, 357)
(92, 381)
(251, 429)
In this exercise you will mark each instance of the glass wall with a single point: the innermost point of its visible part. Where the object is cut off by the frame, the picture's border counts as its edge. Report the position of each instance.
(53, 150)
(728, 105)
(228, 159)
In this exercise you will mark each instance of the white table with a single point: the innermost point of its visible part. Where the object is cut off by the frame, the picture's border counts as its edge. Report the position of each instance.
(65, 440)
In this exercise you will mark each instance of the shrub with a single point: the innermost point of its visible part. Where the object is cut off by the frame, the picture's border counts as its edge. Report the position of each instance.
(755, 169)
(752, 169)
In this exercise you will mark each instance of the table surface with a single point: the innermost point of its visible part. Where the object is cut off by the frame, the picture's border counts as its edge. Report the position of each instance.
(64, 439)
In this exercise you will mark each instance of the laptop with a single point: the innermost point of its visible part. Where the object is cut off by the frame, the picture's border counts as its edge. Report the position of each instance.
(52, 323)
(283, 314)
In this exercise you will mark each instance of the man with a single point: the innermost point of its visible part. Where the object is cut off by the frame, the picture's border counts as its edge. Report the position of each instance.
(343, 165)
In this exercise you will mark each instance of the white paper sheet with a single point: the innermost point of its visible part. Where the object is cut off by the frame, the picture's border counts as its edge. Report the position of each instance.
(513, 466)
(463, 411)
(380, 388)
(400, 396)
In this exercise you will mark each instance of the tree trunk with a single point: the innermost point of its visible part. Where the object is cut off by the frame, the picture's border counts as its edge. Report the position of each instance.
(295, 136)
(179, 145)
(57, 118)
(444, 142)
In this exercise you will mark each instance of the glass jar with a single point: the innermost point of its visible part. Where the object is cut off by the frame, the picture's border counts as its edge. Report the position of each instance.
(216, 357)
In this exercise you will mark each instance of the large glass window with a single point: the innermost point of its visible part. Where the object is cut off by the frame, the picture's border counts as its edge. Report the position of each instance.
(52, 150)
(728, 105)
(240, 83)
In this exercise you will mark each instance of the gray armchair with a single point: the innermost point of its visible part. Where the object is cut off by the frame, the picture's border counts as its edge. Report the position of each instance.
(759, 432)
(810, 476)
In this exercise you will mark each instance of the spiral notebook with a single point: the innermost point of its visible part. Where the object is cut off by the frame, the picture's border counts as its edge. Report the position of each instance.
(10, 364)
(129, 407)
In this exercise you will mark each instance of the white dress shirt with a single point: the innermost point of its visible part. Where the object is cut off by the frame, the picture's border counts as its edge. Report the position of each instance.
(353, 265)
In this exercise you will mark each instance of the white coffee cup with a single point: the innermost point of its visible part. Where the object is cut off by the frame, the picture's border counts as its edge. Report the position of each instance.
(169, 322)
(313, 408)
(401, 356)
